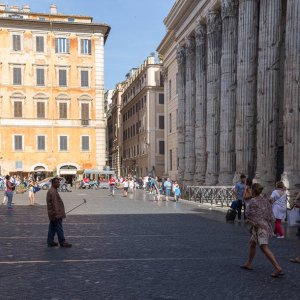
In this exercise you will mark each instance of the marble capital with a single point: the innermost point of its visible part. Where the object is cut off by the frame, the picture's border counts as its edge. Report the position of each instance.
(164, 73)
(200, 33)
(214, 22)
(229, 8)
(190, 46)
(180, 55)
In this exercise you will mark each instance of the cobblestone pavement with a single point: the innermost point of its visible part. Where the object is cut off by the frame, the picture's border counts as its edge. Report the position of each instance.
(135, 248)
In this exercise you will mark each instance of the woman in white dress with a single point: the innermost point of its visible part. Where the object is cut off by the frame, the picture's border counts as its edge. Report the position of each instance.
(279, 200)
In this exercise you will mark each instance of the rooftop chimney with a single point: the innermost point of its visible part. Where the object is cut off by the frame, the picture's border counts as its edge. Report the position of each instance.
(53, 9)
(26, 8)
(2, 6)
(14, 8)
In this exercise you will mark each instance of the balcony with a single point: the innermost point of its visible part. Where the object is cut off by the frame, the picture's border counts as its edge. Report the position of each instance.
(85, 122)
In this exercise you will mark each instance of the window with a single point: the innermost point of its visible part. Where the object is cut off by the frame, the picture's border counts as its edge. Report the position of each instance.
(84, 78)
(161, 147)
(18, 164)
(161, 99)
(85, 143)
(62, 45)
(171, 159)
(161, 122)
(17, 76)
(40, 110)
(40, 77)
(39, 44)
(170, 89)
(71, 20)
(18, 142)
(85, 46)
(63, 110)
(170, 122)
(85, 114)
(18, 109)
(62, 77)
(42, 19)
(41, 143)
(16, 40)
(63, 143)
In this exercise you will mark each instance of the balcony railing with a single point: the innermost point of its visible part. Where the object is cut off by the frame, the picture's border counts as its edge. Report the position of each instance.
(85, 122)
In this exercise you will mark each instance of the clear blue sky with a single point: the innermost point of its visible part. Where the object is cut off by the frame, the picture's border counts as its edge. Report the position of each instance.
(136, 28)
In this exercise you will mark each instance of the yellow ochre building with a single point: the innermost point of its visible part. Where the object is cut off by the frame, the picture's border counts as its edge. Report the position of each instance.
(51, 92)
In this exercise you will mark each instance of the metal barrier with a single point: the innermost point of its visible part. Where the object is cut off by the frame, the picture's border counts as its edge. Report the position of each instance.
(218, 195)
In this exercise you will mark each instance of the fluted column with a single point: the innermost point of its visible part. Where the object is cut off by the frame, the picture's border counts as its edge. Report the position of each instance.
(245, 136)
(291, 174)
(268, 77)
(214, 36)
(200, 125)
(228, 90)
(181, 61)
(190, 111)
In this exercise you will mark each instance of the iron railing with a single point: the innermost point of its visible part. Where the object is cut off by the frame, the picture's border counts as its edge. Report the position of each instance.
(217, 195)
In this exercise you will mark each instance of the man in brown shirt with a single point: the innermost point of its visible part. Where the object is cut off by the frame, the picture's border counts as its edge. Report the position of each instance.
(56, 213)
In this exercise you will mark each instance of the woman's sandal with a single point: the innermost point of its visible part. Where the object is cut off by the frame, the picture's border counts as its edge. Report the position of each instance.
(295, 260)
(277, 274)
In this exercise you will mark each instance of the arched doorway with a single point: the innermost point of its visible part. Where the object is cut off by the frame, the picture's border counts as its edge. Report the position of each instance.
(68, 171)
(40, 172)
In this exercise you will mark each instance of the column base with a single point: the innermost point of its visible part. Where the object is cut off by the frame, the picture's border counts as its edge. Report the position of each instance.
(211, 179)
(225, 179)
(267, 180)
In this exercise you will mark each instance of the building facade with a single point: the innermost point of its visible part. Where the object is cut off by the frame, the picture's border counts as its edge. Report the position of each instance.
(238, 90)
(143, 121)
(51, 92)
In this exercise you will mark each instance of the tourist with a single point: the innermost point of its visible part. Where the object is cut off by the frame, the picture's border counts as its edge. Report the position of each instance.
(239, 193)
(31, 195)
(279, 199)
(5, 192)
(10, 187)
(112, 185)
(131, 185)
(125, 187)
(56, 213)
(297, 205)
(260, 216)
(168, 187)
(177, 191)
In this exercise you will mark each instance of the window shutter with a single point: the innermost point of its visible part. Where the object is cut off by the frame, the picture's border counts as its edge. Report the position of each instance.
(40, 77)
(85, 111)
(41, 142)
(85, 143)
(56, 45)
(41, 110)
(89, 47)
(16, 42)
(18, 142)
(81, 46)
(39, 44)
(161, 122)
(18, 109)
(161, 147)
(63, 143)
(17, 76)
(67, 41)
(62, 74)
(84, 78)
(63, 110)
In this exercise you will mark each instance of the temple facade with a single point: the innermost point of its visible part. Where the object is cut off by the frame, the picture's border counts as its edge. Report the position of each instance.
(236, 67)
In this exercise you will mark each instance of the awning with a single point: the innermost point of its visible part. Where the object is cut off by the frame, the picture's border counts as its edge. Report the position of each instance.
(67, 172)
(98, 172)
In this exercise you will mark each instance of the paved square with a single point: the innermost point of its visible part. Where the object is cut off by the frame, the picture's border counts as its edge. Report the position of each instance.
(134, 248)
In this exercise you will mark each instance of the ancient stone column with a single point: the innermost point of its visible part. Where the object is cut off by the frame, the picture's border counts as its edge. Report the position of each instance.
(228, 90)
(214, 38)
(291, 174)
(190, 104)
(200, 125)
(181, 61)
(245, 135)
(268, 76)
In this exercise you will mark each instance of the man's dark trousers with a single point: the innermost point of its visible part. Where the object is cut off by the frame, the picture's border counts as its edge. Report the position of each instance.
(56, 227)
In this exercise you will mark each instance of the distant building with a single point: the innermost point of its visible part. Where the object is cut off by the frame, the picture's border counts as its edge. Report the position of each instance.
(51, 92)
(143, 121)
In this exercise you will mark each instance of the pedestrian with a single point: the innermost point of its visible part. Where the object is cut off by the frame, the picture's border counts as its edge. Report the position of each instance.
(239, 192)
(168, 187)
(112, 185)
(177, 191)
(279, 199)
(5, 191)
(260, 216)
(31, 195)
(125, 187)
(297, 205)
(10, 187)
(131, 185)
(56, 213)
